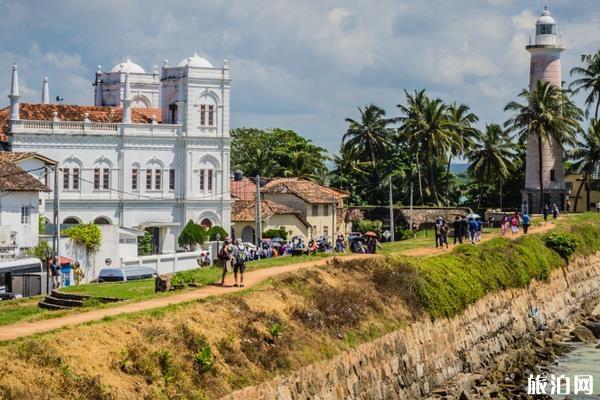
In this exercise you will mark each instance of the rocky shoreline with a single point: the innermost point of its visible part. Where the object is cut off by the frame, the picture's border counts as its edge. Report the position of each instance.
(537, 355)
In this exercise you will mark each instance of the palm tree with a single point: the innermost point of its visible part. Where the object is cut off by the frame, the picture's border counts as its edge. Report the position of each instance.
(549, 115)
(304, 165)
(433, 137)
(370, 137)
(462, 124)
(587, 158)
(411, 121)
(589, 81)
(491, 157)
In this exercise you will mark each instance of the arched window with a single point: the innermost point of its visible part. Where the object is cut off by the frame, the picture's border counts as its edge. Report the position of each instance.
(207, 175)
(207, 223)
(140, 101)
(102, 168)
(71, 173)
(154, 175)
(71, 221)
(208, 110)
(102, 221)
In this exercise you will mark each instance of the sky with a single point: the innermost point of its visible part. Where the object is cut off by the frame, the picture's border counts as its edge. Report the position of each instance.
(299, 64)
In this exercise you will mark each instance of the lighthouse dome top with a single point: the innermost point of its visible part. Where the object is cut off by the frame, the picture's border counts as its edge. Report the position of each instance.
(128, 66)
(546, 18)
(195, 61)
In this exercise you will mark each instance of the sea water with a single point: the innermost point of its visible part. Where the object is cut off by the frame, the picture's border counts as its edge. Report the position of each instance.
(583, 360)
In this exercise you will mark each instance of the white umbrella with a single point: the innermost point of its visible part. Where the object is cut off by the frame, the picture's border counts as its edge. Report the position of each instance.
(249, 245)
(473, 215)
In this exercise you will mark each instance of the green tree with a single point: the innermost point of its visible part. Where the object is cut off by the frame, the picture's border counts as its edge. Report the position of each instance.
(192, 235)
(588, 81)
(88, 235)
(145, 244)
(587, 158)
(370, 137)
(548, 114)
(212, 233)
(491, 157)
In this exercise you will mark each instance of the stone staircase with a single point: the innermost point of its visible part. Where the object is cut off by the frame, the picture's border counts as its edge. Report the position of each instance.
(64, 301)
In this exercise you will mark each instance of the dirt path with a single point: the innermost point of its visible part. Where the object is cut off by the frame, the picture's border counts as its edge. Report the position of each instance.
(252, 278)
(429, 251)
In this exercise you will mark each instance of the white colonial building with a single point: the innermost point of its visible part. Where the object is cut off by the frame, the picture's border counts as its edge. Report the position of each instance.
(127, 163)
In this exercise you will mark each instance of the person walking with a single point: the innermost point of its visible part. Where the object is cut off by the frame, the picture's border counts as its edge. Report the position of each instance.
(503, 224)
(514, 224)
(444, 234)
(598, 206)
(526, 222)
(438, 232)
(479, 229)
(554, 211)
(240, 255)
(545, 212)
(472, 229)
(225, 257)
(457, 230)
(568, 206)
(465, 228)
(414, 230)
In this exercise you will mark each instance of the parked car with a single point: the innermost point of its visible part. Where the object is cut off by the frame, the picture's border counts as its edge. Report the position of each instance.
(126, 274)
(8, 296)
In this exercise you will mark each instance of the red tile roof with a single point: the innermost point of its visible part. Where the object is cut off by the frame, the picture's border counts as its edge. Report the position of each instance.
(244, 189)
(245, 211)
(43, 112)
(14, 157)
(309, 191)
(14, 179)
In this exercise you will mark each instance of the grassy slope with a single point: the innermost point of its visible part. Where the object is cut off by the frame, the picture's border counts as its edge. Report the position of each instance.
(321, 312)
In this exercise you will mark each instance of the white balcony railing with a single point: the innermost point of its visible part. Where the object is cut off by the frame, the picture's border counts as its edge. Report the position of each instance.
(97, 128)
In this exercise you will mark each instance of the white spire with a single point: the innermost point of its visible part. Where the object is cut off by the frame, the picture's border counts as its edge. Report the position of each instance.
(45, 92)
(127, 101)
(14, 94)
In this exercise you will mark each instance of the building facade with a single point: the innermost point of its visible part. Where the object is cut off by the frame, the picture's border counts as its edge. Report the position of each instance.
(545, 66)
(128, 167)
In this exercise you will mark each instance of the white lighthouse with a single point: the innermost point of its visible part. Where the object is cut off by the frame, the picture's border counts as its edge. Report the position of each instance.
(545, 66)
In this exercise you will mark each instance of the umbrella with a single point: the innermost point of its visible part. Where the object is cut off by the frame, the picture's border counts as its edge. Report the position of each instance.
(275, 244)
(473, 215)
(371, 234)
(277, 239)
(249, 245)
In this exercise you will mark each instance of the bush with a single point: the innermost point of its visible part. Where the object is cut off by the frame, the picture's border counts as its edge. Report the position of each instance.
(192, 235)
(40, 251)
(564, 244)
(204, 359)
(212, 233)
(367, 225)
(87, 234)
(275, 330)
(273, 233)
(145, 244)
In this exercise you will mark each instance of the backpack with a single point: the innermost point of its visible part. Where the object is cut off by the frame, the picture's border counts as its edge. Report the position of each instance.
(223, 254)
(240, 257)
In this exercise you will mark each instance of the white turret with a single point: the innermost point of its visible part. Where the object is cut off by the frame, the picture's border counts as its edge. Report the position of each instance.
(14, 94)
(127, 101)
(180, 101)
(45, 92)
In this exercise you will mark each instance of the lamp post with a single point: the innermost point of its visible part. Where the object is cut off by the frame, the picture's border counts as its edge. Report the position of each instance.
(218, 237)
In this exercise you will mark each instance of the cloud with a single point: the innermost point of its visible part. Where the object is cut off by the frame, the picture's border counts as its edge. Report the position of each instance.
(304, 64)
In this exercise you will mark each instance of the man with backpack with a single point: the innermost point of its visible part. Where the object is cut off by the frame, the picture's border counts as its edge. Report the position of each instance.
(225, 256)
(240, 255)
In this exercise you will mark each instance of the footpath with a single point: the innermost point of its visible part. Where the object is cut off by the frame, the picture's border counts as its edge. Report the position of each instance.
(251, 279)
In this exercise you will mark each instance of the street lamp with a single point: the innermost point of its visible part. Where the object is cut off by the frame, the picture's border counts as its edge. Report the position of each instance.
(218, 237)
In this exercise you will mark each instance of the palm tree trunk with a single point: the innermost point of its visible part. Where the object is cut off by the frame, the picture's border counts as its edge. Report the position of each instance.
(597, 107)
(588, 187)
(432, 178)
(579, 192)
(448, 178)
(420, 183)
(541, 172)
(480, 196)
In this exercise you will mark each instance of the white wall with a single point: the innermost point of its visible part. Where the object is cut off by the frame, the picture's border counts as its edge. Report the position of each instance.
(10, 215)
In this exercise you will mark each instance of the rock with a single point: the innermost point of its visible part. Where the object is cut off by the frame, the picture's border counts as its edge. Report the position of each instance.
(594, 327)
(582, 334)
(464, 396)
(162, 283)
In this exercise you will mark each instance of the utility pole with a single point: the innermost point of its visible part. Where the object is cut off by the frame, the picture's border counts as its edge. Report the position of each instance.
(392, 238)
(333, 215)
(258, 221)
(56, 240)
(410, 220)
(500, 194)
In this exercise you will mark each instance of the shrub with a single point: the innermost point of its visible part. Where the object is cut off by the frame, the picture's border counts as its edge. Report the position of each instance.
(273, 233)
(204, 359)
(88, 235)
(275, 330)
(212, 233)
(564, 244)
(40, 251)
(145, 244)
(367, 225)
(192, 235)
